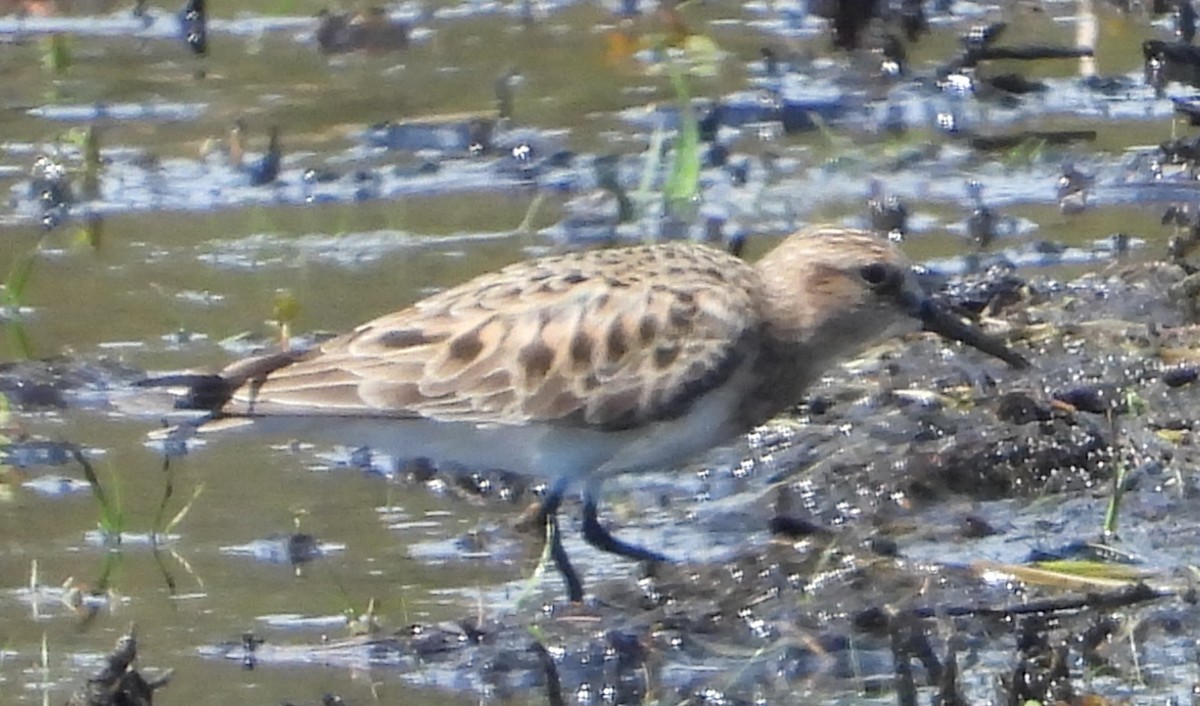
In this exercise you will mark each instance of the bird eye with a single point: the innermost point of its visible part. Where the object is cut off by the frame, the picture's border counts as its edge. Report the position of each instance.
(876, 274)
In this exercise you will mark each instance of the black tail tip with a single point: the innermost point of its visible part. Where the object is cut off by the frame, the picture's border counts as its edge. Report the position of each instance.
(203, 392)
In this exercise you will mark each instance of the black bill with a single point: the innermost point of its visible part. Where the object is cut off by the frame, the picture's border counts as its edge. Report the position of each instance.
(939, 319)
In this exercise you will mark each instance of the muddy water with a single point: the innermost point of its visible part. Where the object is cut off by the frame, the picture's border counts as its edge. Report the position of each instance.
(190, 257)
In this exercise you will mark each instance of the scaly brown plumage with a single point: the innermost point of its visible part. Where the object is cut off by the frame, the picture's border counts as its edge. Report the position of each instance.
(584, 365)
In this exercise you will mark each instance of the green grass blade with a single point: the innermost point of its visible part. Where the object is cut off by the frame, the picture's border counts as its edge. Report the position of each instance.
(18, 279)
(111, 520)
(56, 53)
(645, 190)
(526, 225)
(183, 511)
(18, 340)
(683, 185)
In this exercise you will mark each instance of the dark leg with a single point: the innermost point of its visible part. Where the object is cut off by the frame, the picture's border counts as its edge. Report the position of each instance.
(548, 519)
(599, 537)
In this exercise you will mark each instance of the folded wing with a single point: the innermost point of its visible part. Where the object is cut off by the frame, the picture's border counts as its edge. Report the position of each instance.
(604, 338)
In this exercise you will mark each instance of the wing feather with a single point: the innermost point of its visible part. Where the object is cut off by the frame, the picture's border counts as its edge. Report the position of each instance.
(607, 338)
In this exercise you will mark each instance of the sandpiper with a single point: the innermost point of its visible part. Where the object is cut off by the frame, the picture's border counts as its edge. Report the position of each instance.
(578, 367)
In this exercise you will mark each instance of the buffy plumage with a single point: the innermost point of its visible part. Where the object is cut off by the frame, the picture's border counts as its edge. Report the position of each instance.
(581, 366)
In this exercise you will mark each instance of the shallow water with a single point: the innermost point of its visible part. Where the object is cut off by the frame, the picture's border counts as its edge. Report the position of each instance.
(186, 258)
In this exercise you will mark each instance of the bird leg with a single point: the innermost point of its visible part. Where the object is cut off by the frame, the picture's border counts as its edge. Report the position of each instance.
(600, 538)
(548, 518)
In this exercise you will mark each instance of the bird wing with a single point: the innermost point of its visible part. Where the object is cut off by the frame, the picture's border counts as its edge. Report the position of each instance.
(605, 338)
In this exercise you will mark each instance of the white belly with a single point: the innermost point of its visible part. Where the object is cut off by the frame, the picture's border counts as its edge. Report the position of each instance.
(544, 450)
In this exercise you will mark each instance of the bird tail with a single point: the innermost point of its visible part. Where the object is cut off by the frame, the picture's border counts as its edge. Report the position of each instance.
(194, 391)
(210, 391)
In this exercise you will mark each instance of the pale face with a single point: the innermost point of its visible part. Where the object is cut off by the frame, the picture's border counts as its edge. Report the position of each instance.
(834, 291)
